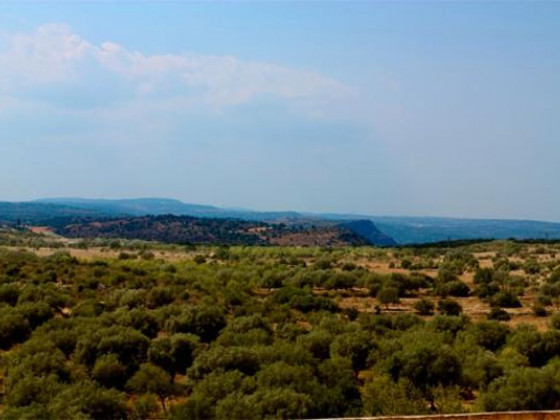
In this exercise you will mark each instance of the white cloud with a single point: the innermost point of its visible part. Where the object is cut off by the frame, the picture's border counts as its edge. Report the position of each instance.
(54, 65)
(49, 55)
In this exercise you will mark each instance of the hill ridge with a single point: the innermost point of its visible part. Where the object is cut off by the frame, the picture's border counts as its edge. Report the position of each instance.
(402, 229)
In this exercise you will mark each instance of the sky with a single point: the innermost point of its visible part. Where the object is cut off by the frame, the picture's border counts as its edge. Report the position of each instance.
(381, 108)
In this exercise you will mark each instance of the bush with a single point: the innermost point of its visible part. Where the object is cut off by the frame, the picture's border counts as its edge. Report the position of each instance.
(159, 296)
(133, 298)
(281, 403)
(506, 299)
(523, 389)
(126, 256)
(483, 276)
(14, 328)
(318, 342)
(498, 314)
(555, 321)
(35, 313)
(9, 294)
(537, 347)
(140, 320)
(152, 379)
(30, 389)
(227, 358)
(449, 324)
(544, 300)
(145, 407)
(424, 307)
(205, 321)
(426, 363)
(303, 300)
(539, 310)
(109, 372)
(488, 334)
(449, 307)
(354, 347)
(406, 264)
(175, 353)
(387, 295)
(87, 400)
(484, 290)
(196, 408)
(199, 259)
(237, 406)
(129, 345)
(384, 397)
(456, 288)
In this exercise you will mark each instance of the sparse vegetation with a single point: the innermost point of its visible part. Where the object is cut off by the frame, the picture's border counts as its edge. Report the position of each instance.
(254, 332)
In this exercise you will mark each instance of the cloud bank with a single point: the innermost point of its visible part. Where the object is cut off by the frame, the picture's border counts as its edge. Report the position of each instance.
(56, 67)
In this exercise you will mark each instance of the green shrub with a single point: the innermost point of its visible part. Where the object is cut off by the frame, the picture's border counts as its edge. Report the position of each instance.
(506, 299)
(151, 379)
(424, 307)
(159, 296)
(456, 288)
(539, 310)
(14, 328)
(555, 321)
(9, 294)
(449, 307)
(498, 314)
(109, 372)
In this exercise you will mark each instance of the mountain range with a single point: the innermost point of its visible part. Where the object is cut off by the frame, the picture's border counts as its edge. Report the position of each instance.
(381, 230)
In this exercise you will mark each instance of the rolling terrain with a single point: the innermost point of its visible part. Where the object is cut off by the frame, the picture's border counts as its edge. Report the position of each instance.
(389, 230)
(194, 230)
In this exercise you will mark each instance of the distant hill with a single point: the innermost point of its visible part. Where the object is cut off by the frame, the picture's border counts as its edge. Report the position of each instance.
(418, 230)
(401, 230)
(159, 206)
(410, 230)
(175, 229)
(368, 230)
(33, 212)
(187, 229)
(135, 206)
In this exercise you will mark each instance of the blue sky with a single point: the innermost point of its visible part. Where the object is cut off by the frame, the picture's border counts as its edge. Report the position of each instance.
(396, 108)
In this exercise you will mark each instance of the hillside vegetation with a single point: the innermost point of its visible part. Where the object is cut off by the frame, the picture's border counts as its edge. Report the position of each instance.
(402, 230)
(185, 229)
(108, 328)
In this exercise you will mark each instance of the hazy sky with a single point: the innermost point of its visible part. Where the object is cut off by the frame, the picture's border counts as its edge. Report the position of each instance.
(439, 108)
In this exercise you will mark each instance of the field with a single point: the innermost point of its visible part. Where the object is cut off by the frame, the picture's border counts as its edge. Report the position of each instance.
(130, 329)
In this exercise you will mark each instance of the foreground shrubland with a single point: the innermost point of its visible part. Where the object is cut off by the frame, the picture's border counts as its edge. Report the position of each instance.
(250, 333)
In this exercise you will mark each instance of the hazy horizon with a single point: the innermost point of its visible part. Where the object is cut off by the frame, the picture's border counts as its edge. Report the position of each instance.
(442, 109)
(280, 210)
